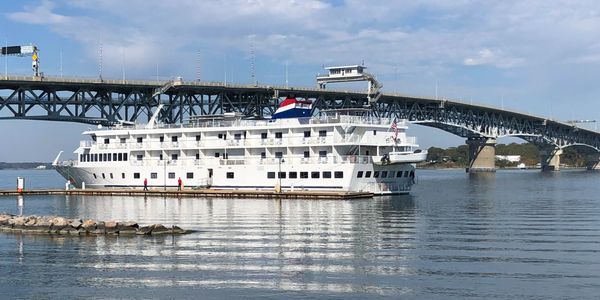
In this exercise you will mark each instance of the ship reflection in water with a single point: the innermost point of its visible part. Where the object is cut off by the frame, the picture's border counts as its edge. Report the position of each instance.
(285, 245)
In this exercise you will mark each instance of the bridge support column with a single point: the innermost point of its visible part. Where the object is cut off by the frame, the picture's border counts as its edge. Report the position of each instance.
(592, 161)
(482, 155)
(550, 159)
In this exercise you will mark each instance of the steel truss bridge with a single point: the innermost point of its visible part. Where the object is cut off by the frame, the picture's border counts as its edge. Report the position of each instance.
(109, 102)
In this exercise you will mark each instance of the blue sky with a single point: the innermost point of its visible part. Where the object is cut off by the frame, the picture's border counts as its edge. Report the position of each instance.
(536, 56)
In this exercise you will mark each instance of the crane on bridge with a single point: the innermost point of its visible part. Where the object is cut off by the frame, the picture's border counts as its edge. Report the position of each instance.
(573, 122)
(24, 51)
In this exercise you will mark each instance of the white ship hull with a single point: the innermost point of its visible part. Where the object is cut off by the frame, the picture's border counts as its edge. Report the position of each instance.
(327, 154)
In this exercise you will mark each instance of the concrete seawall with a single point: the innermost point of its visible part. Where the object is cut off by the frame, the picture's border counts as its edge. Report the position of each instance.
(54, 225)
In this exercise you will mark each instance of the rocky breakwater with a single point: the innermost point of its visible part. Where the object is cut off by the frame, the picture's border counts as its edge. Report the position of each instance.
(64, 226)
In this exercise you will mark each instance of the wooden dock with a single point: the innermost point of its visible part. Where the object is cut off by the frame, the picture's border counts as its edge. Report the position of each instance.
(215, 193)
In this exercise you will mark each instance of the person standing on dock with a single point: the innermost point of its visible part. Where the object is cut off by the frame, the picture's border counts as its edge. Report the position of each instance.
(145, 184)
(179, 183)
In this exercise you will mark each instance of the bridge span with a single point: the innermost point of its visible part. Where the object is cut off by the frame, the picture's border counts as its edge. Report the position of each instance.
(108, 102)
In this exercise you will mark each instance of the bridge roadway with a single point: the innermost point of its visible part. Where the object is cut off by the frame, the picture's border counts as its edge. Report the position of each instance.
(108, 102)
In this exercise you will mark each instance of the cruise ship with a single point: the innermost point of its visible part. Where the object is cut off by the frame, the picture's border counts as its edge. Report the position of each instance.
(337, 150)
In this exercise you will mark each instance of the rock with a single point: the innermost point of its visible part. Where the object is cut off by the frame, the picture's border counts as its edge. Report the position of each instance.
(177, 230)
(76, 223)
(42, 224)
(59, 222)
(100, 228)
(159, 229)
(18, 222)
(88, 226)
(4, 219)
(127, 227)
(110, 227)
(144, 230)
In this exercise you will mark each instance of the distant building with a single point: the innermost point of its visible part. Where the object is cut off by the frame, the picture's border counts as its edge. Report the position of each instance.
(509, 158)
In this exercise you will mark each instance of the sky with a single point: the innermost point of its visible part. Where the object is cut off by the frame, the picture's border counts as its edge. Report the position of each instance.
(538, 56)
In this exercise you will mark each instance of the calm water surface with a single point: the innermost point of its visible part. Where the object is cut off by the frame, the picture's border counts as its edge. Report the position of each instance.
(509, 235)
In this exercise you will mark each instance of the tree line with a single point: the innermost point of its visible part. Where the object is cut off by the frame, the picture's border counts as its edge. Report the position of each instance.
(530, 156)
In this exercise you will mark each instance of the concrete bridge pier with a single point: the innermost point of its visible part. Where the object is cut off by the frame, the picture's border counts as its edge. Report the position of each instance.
(482, 155)
(550, 159)
(592, 161)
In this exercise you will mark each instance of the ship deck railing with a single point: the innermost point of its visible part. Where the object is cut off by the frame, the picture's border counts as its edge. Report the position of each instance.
(289, 141)
(285, 160)
(326, 119)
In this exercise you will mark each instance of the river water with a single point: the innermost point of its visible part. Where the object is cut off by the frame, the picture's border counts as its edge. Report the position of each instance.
(509, 235)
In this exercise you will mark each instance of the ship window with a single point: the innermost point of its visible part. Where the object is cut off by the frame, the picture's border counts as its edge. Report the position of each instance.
(237, 136)
(160, 157)
(109, 156)
(106, 141)
(405, 173)
(100, 157)
(197, 155)
(303, 174)
(124, 156)
(103, 176)
(391, 174)
(161, 139)
(338, 174)
(399, 174)
(281, 175)
(374, 132)
(359, 174)
(322, 133)
(140, 139)
(111, 176)
(197, 137)
(140, 157)
(136, 175)
(270, 174)
(263, 135)
(106, 157)
(120, 157)
(123, 175)
(220, 136)
(123, 140)
(174, 139)
(171, 175)
(217, 154)
(263, 155)
(95, 177)
(383, 174)
(174, 156)
(368, 174)
(114, 157)
(153, 175)
(229, 175)
(293, 175)
(278, 154)
(306, 154)
(326, 174)
(189, 175)
(322, 153)
(307, 134)
(314, 174)
(80, 157)
(375, 174)
(96, 157)
(278, 135)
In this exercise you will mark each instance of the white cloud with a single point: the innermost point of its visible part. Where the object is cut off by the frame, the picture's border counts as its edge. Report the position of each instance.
(489, 57)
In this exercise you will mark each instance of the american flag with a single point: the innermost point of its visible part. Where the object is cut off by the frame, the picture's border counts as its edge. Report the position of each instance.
(394, 127)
